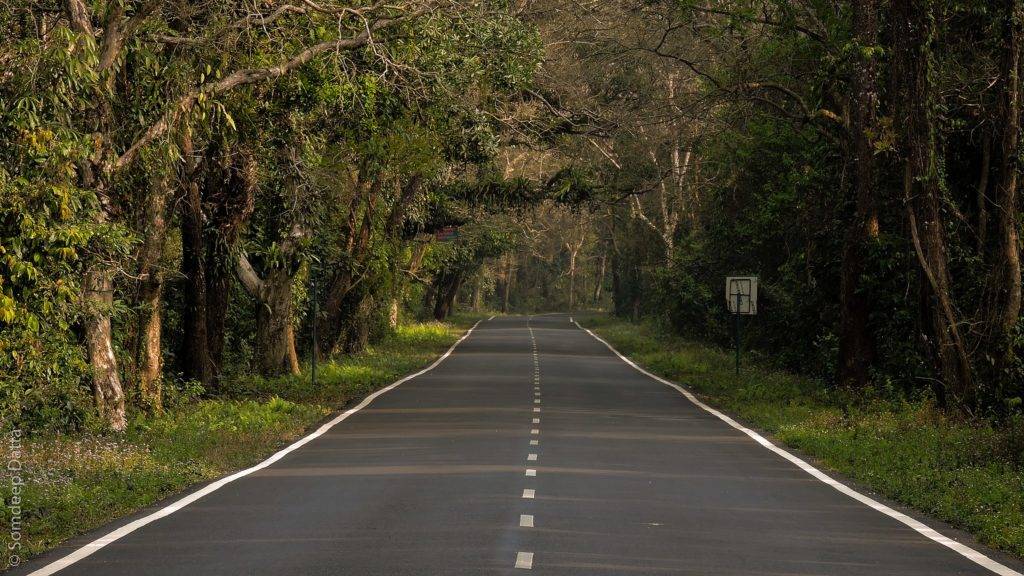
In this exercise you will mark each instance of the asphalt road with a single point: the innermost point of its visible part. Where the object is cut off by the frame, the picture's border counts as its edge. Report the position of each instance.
(534, 447)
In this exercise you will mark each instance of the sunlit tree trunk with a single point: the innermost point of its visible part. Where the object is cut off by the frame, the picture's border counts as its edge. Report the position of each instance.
(509, 279)
(107, 389)
(149, 357)
(572, 278)
(275, 335)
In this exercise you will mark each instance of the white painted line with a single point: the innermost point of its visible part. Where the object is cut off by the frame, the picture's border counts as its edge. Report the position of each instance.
(571, 320)
(525, 521)
(529, 493)
(923, 529)
(536, 400)
(534, 442)
(536, 393)
(536, 421)
(524, 560)
(531, 457)
(536, 409)
(491, 318)
(90, 548)
(535, 431)
(531, 472)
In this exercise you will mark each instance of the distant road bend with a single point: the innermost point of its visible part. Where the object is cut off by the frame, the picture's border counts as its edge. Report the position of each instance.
(532, 446)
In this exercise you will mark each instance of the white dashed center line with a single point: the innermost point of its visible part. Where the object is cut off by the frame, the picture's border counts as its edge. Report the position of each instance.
(524, 560)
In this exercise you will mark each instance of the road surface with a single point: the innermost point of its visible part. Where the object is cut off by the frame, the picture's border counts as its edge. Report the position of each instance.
(531, 447)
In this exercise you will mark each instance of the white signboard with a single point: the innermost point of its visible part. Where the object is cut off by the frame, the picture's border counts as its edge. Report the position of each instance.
(741, 291)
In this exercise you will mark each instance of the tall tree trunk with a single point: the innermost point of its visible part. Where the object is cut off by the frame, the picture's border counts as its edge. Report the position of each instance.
(478, 293)
(336, 310)
(1003, 302)
(99, 297)
(393, 309)
(572, 280)
(913, 22)
(149, 358)
(195, 353)
(345, 292)
(856, 343)
(357, 335)
(507, 291)
(448, 285)
(599, 280)
(982, 193)
(230, 191)
(275, 344)
(218, 300)
(275, 335)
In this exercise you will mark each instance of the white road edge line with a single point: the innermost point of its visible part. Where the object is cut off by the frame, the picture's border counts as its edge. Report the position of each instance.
(524, 560)
(491, 318)
(529, 493)
(930, 533)
(525, 521)
(88, 549)
(531, 472)
(531, 457)
(534, 442)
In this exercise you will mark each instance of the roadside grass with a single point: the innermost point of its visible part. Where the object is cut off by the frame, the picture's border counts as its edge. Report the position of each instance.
(74, 483)
(967, 473)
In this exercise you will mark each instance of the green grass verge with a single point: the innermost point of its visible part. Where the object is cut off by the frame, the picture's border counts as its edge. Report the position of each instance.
(74, 483)
(970, 474)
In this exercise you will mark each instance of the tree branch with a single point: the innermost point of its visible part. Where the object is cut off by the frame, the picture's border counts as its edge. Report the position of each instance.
(246, 77)
(79, 17)
(247, 275)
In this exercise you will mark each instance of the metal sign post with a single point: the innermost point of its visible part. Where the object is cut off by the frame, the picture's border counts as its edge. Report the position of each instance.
(741, 298)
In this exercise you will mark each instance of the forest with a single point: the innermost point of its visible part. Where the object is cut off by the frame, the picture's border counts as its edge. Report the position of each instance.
(195, 195)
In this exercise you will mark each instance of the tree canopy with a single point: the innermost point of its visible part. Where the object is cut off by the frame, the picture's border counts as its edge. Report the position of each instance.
(187, 189)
